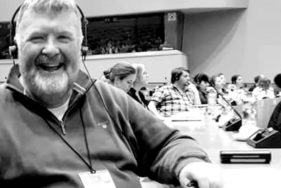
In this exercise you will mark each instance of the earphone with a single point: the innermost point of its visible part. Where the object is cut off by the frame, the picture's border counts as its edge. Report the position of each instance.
(13, 46)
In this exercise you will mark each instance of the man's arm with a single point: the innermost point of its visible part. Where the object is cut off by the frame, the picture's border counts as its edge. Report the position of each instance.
(161, 153)
(182, 157)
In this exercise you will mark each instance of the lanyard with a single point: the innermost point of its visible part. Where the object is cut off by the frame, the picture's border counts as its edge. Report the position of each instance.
(88, 164)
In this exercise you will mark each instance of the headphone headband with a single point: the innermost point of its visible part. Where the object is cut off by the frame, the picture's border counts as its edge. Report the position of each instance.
(13, 26)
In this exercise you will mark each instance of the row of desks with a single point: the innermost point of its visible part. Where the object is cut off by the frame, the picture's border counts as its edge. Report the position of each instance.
(214, 139)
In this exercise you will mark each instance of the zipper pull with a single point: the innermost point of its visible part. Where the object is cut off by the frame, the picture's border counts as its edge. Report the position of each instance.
(63, 128)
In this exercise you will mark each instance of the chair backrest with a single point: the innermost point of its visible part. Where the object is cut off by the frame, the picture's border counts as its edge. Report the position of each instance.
(264, 109)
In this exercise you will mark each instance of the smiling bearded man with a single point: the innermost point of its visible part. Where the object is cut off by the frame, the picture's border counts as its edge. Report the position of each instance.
(48, 59)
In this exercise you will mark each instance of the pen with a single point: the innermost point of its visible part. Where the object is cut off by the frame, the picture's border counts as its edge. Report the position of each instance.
(193, 183)
(180, 120)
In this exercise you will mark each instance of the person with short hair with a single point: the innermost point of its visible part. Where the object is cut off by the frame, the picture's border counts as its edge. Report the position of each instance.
(217, 81)
(264, 90)
(256, 81)
(237, 80)
(173, 98)
(223, 82)
(61, 129)
(237, 90)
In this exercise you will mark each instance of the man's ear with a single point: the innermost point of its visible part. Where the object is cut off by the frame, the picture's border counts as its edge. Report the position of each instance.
(13, 49)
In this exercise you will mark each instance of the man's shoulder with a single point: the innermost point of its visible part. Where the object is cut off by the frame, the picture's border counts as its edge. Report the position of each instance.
(108, 91)
(106, 87)
(4, 93)
(3, 89)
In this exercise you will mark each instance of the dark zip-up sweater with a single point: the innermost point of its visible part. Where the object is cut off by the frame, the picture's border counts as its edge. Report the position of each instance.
(122, 137)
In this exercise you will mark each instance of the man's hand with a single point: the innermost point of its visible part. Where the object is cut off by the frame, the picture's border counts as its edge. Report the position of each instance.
(207, 175)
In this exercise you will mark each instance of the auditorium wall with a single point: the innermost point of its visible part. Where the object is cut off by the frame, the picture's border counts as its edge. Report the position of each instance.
(99, 8)
(158, 63)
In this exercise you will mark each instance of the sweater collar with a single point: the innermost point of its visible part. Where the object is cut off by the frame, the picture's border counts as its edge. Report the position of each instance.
(81, 85)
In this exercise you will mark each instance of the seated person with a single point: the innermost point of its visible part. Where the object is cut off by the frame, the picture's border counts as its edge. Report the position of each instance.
(121, 75)
(202, 83)
(275, 118)
(237, 80)
(173, 98)
(237, 90)
(256, 81)
(218, 83)
(264, 90)
(139, 83)
(277, 88)
(223, 82)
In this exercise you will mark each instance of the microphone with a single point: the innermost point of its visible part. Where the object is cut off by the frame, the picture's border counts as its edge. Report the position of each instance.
(235, 122)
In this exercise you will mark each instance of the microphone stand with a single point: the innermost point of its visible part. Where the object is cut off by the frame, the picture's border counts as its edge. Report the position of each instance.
(234, 123)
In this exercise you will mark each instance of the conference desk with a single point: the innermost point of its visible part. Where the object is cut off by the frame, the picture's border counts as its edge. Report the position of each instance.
(214, 139)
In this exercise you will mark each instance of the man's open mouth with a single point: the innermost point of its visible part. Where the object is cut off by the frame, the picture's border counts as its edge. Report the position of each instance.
(50, 67)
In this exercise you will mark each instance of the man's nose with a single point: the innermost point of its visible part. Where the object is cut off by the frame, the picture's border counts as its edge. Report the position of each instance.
(51, 47)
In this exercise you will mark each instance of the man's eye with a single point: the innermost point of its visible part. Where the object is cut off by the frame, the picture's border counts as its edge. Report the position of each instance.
(64, 38)
(37, 39)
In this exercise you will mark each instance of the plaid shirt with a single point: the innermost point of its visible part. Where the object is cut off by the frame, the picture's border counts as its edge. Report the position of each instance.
(170, 100)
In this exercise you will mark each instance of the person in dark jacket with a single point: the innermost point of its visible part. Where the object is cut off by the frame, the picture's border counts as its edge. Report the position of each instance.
(256, 82)
(275, 118)
(60, 128)
(202, 83)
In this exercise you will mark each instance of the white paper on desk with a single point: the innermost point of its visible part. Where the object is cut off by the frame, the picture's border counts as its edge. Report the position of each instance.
(192, 115)
(253, 177)
(191, 120)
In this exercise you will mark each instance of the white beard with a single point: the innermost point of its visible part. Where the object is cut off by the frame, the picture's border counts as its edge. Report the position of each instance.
(49, 85)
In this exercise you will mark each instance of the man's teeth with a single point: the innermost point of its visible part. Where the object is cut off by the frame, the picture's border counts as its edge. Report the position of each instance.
(51, 67)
